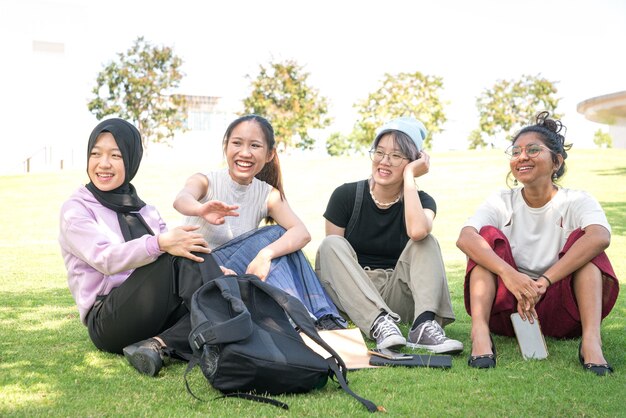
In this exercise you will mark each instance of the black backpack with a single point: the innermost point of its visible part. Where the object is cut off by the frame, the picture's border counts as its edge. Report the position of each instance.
(244, 340)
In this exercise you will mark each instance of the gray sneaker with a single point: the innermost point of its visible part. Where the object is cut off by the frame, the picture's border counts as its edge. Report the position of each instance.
(430, 336)
(386, 333)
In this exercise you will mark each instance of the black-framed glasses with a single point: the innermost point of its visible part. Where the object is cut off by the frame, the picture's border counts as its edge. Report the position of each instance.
(532, 151)
(395, 158)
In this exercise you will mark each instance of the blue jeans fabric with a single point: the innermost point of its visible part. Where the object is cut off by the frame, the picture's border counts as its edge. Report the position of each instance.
(291, 273)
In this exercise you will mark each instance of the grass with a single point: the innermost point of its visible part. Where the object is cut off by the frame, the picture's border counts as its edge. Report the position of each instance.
(49, 367)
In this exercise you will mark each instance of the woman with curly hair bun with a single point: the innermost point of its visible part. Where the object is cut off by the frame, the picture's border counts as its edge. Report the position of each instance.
(539, 250)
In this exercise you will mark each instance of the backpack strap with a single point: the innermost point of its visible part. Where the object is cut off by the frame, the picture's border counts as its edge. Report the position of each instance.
(249, 396)
(371, 407)
(300, 316)
(190, 366)
(256, 398)
(356, 210)
(238, 327)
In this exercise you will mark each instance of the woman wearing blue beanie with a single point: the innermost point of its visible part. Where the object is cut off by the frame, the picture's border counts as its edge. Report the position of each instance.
(379, 262)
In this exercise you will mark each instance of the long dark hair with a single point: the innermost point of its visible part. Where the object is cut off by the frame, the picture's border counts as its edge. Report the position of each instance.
(549, 131)
(270, 173)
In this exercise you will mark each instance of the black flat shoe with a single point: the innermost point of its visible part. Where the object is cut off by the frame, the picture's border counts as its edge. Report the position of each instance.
(599, 369)
(484, 361)
(146, 356)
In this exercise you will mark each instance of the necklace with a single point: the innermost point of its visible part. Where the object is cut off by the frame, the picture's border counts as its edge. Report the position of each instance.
(383, 205)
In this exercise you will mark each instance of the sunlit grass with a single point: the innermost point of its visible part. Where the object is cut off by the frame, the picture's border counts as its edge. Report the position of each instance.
(49, 367)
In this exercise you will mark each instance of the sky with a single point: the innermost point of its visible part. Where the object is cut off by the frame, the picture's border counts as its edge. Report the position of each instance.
(346, 47)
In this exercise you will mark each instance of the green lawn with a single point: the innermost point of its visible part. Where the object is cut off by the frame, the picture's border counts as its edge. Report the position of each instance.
(49, 367)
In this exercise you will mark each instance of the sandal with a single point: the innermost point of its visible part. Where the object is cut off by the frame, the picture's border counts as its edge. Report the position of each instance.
(599, 369)
(484, 361)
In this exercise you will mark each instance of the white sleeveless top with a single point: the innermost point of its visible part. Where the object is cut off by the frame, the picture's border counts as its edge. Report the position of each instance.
(252, 202)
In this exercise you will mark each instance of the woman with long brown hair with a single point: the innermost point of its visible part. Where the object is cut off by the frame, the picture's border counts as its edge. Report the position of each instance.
(229, 205)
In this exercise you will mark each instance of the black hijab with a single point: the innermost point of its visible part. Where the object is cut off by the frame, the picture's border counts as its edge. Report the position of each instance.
(124, 199)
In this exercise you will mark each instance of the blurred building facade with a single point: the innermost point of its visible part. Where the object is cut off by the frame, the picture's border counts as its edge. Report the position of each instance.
(609, 109)
(46, 78)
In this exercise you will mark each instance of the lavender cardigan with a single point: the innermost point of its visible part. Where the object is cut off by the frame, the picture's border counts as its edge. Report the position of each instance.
(96, 256)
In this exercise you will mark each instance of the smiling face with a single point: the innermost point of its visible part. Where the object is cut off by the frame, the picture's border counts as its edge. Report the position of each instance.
(383, 172)
(247, 152)
(535, 170)
(105, 166)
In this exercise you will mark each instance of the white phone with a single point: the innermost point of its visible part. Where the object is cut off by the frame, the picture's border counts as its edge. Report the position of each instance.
(529, 338)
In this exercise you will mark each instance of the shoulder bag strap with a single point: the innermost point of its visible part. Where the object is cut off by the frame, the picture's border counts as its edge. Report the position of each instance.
(356, 210)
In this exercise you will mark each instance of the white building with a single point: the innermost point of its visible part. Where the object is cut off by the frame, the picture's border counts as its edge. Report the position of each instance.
(609, 109)
(50, 61)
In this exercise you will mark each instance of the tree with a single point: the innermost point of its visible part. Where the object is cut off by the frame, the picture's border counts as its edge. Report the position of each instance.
(281, 92)
(403, 94)
(136, 87)
(476, 140)
(338, 144)
(511, 104)
(602, 139)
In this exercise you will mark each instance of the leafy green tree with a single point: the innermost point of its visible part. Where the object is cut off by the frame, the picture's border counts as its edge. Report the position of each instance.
(339, 144)
(476, 140)
(511, 104)
(402, 94)
(602, 139)
(281, 92)
(136, 87)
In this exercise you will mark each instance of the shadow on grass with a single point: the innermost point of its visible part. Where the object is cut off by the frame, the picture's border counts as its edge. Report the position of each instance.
(46, 354)
(619, 171)
(48, 366)
(616, 215)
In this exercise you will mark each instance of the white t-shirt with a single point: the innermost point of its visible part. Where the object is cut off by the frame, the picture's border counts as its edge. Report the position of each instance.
(251, 199)
(537, 235)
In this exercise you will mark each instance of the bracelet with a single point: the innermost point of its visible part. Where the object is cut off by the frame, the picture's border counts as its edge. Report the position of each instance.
(546, 277)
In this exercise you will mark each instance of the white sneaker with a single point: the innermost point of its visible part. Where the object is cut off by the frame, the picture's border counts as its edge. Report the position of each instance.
(430, 336)
(386, 333)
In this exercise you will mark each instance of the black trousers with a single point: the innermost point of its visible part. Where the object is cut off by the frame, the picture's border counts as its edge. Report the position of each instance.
(153, 301)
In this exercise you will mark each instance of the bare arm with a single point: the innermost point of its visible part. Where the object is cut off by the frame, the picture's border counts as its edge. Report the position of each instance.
(188, 203)
(596, 239)
(525, 289)
(332, 229)
(419, 221)
(295, 237)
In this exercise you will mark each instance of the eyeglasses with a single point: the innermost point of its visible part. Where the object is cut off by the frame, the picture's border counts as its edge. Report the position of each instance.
(532, 151)
(395, 158)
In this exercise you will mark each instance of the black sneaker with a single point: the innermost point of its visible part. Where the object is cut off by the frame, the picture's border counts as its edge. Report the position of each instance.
(146, 356)
(329, 322)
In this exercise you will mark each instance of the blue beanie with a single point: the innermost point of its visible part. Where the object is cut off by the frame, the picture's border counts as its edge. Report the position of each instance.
(408, 125)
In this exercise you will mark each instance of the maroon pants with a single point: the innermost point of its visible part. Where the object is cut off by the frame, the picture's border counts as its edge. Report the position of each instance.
(557, 310)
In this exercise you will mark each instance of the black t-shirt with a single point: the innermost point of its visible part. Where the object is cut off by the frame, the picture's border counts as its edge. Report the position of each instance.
(379, 236)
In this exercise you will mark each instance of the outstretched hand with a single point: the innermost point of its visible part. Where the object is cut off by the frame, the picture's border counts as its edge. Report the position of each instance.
(181, 241)
(215, 211)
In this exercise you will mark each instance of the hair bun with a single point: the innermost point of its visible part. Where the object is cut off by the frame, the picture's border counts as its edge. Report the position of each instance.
(543, 119)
